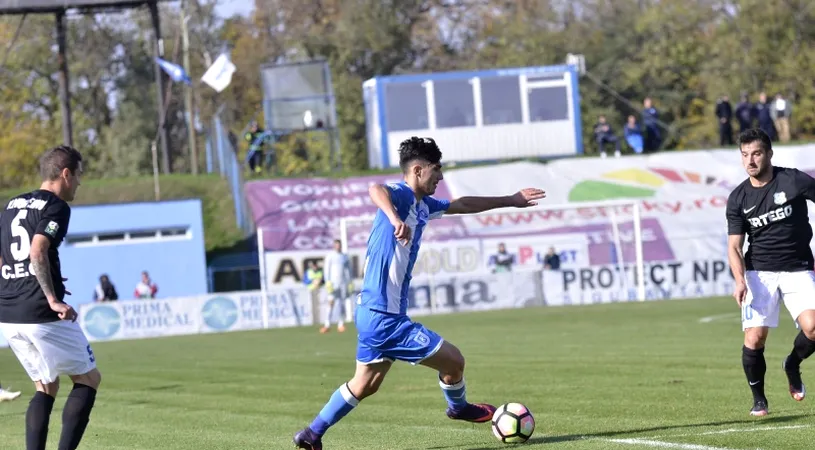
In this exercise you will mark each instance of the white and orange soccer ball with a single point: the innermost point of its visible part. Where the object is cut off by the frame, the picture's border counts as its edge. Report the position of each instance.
(513, 423)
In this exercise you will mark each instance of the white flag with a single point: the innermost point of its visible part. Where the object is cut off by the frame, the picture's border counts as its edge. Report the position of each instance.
(219, 74)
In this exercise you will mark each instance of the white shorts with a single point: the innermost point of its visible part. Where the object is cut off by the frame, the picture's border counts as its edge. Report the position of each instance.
(765, 290)
(48, 350)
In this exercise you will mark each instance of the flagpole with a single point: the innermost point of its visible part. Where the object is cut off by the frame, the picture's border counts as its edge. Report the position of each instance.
(185, 49)
(168, 94)
(159, 51)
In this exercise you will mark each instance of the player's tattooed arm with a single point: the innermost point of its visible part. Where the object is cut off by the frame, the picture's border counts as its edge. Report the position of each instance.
(41, 266)
(472, 205)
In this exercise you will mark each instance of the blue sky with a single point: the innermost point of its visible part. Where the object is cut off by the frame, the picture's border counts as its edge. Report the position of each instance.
(228, 8)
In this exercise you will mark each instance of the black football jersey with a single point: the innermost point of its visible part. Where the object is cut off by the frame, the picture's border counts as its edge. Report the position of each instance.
(21, 297)
(776, 221)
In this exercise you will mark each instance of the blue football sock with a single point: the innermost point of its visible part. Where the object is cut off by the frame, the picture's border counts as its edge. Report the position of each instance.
(455, 394)
(340, 404)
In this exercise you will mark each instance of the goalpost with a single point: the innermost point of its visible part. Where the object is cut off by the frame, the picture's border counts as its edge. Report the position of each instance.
(602, 233)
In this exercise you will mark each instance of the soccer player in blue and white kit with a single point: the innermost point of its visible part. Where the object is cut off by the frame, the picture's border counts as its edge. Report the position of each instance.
(385, 332)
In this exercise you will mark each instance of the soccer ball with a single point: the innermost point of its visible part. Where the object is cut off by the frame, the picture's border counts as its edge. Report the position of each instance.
(513, 423)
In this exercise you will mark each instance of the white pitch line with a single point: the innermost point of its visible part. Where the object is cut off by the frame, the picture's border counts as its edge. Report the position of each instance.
(737, 430)
(708, 319)
(662, 444)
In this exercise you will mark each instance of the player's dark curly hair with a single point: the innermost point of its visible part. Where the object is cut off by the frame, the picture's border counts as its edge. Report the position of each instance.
(416, 148)
(756, 135)
(54, 160)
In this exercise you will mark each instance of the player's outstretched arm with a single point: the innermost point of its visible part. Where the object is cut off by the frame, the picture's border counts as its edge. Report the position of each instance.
(472, 205)
(735, 256)
(42, 270)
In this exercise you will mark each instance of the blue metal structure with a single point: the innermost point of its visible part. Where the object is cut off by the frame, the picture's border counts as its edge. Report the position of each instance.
(476, 115)
(121, 240)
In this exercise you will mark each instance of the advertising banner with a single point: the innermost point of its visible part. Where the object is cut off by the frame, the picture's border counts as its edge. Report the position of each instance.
(304, 214)
(663, 281)
(681, 198)
(435, 258)
(478, 292)
(193, 315)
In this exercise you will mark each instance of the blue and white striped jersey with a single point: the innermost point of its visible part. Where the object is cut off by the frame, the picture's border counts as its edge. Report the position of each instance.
(388, 264)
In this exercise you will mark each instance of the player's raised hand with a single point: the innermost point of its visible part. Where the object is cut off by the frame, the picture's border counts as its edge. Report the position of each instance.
(739, 293)
(64, 311)
(401, 231)
(527, 197)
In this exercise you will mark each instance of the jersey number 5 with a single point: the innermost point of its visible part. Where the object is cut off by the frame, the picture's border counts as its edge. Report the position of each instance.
(20, 250)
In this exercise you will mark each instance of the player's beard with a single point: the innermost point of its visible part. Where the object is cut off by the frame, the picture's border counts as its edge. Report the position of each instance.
(72, 193)
(761, 171)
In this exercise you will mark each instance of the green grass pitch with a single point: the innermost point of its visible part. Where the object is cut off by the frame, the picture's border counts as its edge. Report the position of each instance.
(635, 375)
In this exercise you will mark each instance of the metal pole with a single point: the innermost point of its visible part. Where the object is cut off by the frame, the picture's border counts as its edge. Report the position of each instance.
(618, 249)
(188, 104)
(156, 185)
(64, 90)
(640, 262)
(159, 51)
(262, 273)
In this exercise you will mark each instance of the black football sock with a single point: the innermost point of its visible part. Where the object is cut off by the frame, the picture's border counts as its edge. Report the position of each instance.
(802, 348)
(754, 367)
(76, 415)
(36, 421)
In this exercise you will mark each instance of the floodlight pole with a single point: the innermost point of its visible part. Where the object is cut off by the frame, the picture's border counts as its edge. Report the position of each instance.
(64, 92)
(159, 51)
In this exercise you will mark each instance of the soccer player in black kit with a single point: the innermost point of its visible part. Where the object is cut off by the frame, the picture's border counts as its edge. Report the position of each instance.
(771, 208)
(39, 326)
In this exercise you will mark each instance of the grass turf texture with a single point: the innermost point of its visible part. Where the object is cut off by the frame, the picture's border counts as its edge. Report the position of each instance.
(588, 373)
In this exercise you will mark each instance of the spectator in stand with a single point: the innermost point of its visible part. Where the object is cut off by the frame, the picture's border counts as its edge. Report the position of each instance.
(603, 134)
(745, 113)
(502, 261)
(764, 114)
(105, 291)
(256, 138)
(650, 119)
(146, 288)
(782, 110)
(552, 260)
(724, 112)
(633, 135)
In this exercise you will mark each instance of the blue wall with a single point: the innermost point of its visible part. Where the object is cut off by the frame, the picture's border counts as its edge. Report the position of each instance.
(177, 264)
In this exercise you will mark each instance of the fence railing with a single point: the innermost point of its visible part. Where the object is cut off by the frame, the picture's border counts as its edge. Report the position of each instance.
(222, 157)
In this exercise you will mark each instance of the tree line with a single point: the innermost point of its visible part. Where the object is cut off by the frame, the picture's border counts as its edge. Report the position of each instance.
(684, 54)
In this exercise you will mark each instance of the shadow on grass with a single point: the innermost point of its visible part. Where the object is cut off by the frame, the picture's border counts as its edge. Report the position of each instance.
(627, 433)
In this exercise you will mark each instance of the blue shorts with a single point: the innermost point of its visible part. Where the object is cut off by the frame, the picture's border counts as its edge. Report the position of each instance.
(390, 337)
